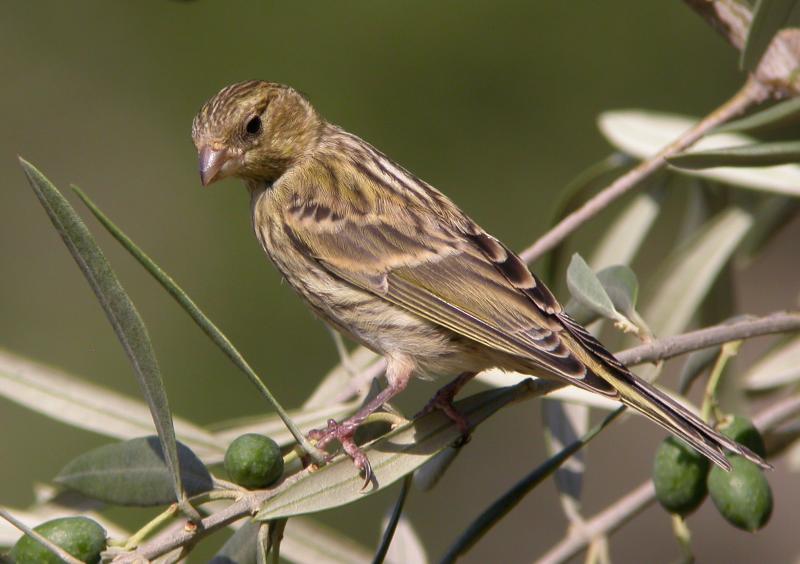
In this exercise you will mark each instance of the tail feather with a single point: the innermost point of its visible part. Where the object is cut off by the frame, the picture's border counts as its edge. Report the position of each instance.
(604, 372)
(675, 418)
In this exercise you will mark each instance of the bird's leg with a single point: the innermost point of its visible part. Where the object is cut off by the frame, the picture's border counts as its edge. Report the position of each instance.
(398, 373)
(443, 401)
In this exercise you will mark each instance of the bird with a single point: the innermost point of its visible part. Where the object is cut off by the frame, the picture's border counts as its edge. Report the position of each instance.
(392, 263)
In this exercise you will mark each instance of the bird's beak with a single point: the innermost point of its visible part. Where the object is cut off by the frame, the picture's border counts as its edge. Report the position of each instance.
(212, 164)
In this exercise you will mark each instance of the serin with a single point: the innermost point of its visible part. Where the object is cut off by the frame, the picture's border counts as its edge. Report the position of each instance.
(392, 263)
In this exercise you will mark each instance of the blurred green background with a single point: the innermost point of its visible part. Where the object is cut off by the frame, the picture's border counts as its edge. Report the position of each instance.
(492, 102)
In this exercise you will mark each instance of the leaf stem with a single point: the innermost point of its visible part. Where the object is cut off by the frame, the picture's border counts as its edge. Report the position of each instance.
(170, 512)
(684, 536)
(728, 351)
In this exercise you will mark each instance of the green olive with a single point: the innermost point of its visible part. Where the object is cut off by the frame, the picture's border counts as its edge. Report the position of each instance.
(742, 496)
(679, 475)
(82, 537)
(253, 461)
(742, 430)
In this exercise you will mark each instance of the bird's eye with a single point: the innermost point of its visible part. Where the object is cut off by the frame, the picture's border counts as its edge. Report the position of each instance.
(253, 126)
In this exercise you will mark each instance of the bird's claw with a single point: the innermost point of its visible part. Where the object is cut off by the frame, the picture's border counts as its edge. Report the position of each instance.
(344, 433)
(443, 401)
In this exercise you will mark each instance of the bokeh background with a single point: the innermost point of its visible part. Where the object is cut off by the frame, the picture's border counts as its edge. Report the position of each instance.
(492, 102)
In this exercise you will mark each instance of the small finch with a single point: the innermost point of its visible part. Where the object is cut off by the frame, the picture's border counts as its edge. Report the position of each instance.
(392, 263)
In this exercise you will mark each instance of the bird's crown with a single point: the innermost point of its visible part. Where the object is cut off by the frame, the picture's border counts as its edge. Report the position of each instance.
(254, 129)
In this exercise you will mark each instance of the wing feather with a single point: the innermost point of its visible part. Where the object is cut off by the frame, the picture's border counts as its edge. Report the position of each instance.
(453, 275)
(428, 258)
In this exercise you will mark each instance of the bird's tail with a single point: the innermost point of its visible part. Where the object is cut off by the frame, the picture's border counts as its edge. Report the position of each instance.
(608, 376)
(675, 418)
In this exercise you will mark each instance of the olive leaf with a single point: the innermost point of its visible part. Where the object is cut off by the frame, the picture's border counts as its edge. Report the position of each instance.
(643, 133)
(391, 522)
(783, 113)
(595, 294)
(779, 367)
(133, 472)
(307, 541)
(689, 272)
(85, 405)
(119, 309)
(625, 235)
(240, 548)
(751, 155)
(564, 424)
(428, 475)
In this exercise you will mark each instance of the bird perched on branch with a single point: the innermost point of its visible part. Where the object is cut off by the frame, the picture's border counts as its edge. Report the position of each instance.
(391, 262)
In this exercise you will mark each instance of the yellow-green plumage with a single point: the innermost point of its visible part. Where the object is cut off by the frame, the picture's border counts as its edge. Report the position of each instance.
(391, 262)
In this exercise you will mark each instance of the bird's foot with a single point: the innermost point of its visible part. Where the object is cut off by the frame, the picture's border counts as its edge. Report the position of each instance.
(344, 433)
(443, 401)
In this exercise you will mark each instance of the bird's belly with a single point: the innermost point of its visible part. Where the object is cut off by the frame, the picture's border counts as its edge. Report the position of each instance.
(382, 326)
(368, 319)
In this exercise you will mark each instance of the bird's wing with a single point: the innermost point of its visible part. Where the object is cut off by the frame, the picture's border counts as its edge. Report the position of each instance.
(439, 265)
(449, 272)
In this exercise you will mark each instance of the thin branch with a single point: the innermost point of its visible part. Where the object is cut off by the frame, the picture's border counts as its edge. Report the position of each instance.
(605, 522)
(779, 64)
(750, 94)
(669, 347)
(250, 503)
(630, 505)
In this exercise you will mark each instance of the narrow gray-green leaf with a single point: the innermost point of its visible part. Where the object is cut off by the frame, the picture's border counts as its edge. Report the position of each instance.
(587, 289)
(240, 548)
(392, 456)
(643, 133)
(769, 17)
(497, 378)
(200, 318)
(688, 273)
(505, 503)
(786, 113)
(406, 547)
(429, 474)
(390, 524)
(624, 237)
(564, 424)
(753, 155)
(133, 473)
(74, 401)
(119, 308)
(306, 541)
(779, 367)
(621, 286)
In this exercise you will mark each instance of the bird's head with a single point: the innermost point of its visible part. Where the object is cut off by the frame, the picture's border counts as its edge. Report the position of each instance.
(254, 130)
